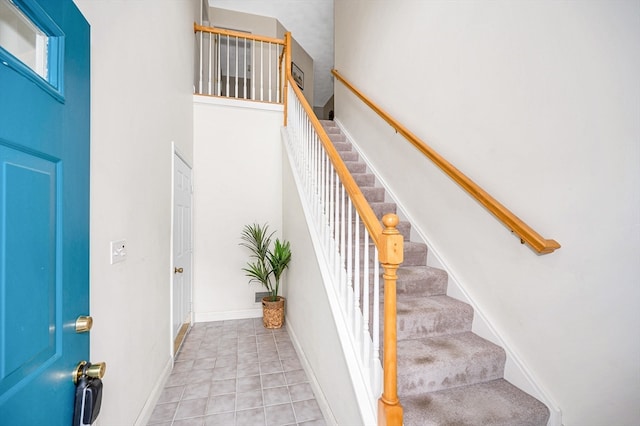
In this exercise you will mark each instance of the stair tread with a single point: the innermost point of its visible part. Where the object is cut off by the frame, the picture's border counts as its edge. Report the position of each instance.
(448, 361)
(495, 403)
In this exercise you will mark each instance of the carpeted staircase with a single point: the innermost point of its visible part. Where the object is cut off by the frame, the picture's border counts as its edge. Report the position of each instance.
(447, 375)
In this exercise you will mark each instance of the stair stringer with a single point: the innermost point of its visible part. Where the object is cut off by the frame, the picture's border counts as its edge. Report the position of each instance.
(515, 370)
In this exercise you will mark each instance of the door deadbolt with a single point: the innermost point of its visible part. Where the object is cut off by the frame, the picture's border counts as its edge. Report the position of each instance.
(83, 323)
(88, 369)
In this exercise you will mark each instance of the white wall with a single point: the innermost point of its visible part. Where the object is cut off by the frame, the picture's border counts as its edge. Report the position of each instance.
(304, 61)
(539, 103)
(311, 24)
(269, 27)
(141, 82)
(238, 181)
(255, 24)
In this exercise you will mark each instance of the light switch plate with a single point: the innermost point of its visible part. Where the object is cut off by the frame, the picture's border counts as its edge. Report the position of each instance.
(118, 251)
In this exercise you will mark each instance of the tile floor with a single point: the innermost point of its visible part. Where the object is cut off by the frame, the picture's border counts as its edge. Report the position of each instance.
(237, 373)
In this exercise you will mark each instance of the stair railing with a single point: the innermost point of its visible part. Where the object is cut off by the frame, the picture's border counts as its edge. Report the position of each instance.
(239, 65)
(523, 231)
(354, 244)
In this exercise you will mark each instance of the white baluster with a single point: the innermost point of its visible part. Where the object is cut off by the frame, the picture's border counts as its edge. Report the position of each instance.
(356, 280)
(236, 69)
(343, 250)
(201, 73)
(261, 71)
(270, 61)
(352, 311)
(244, 69)
(253, 70)
(365, 299)
(376, 317)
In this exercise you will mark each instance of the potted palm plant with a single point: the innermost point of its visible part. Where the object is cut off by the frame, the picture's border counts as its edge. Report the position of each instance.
(266, 266)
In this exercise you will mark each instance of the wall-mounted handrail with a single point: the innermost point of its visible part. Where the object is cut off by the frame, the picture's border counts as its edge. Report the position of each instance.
(526, 234)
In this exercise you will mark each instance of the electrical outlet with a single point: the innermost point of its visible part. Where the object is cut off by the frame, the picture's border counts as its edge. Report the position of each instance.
(118, 251)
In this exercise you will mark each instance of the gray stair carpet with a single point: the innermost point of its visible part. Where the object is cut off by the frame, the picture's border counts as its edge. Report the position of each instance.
(447, 375)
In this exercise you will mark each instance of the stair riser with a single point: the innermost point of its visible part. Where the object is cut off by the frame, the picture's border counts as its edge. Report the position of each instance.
(415, 255)
(430, 283)
(356, 167)
(337, 137)
(373, 194)
(439, 321)
(428, 365)
(405, 229)
(364, 179)
(495, 403)
(427, 286)
(348, 155)
(434, 380)
(381, 209)
(342, 146)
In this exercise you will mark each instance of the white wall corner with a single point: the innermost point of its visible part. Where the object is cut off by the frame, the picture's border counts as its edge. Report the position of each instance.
(321, 399)
(154, 396)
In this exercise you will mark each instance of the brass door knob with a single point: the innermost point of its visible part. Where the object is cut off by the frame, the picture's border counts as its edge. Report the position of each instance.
(96, 370)
(178, 270)
(84, 368)
(83, 323)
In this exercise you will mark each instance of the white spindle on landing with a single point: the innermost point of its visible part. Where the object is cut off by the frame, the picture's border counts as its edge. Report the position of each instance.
(231, 64)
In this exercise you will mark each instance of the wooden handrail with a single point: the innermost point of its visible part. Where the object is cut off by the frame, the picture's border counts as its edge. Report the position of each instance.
(240, 34)
(526, 234)
(359, 201)
(390, 245)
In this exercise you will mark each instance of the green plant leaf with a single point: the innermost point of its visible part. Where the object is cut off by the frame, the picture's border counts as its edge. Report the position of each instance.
(267, 262)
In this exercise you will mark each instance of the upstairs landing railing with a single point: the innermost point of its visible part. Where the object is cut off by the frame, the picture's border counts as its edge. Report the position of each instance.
(526, 233)
(354, 245)
(239, 65)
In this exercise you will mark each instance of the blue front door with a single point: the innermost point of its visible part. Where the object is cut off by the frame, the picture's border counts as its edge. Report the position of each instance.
(44, 215)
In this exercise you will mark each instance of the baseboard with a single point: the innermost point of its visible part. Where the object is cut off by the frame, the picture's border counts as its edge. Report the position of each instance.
(228, 315)
(515, 370)
(154, 396)
(321, 399)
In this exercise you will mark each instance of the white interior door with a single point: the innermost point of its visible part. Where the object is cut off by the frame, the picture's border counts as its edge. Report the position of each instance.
(182, 250)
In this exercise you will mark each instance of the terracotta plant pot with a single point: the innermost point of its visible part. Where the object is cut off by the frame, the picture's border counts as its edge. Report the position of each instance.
(273, 312)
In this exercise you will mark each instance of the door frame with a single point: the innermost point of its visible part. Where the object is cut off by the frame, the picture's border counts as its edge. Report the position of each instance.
(175, 153)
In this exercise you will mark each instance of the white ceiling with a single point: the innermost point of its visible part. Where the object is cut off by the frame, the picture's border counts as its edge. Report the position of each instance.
(311, 24)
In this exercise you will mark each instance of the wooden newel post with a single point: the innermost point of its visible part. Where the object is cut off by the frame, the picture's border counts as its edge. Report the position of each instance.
(391, 256)
(287, 71)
